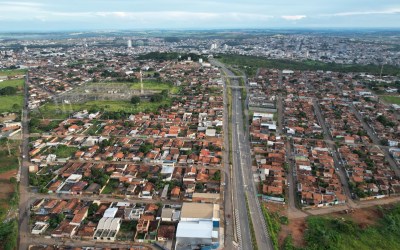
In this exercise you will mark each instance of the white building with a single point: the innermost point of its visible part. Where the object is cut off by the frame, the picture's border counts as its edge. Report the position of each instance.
(107, 229)
(110, 212)
(199, 225)
(40, 227)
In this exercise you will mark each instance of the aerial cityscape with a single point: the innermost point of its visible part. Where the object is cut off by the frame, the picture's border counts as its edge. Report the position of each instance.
(259, 126)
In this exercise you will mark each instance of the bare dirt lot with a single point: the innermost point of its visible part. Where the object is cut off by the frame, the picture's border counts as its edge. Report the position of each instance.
(8, 175)
(6, 190)
(281, 209)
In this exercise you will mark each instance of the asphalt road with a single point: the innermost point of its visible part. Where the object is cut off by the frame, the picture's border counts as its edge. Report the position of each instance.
(376, 140)
(229, 237)
(337, 162)
(242, 175)
(23, 237)
(239, 177)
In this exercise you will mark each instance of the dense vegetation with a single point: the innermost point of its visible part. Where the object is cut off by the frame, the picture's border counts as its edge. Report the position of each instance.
(8, 234)
(37, 126)
(250, 64)
(273, 224)
(385, 122)
(8, 90)
(166, 56)
(159, 56)
(337, 233)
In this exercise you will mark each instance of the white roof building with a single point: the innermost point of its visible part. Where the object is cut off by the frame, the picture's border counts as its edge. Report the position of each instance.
(191, 233)
(107, 229)
(110, 212)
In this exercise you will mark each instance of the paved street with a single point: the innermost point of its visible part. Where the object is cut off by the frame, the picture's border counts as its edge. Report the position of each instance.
(24, 181)
(337, 162)
(243, 185)
(376, 140)
(230, 237)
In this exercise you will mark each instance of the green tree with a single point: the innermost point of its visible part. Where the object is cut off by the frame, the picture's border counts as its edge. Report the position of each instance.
(135, 99)
(8, 91)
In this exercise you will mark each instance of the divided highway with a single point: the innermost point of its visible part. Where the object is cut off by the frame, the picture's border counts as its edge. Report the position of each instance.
(242, 176)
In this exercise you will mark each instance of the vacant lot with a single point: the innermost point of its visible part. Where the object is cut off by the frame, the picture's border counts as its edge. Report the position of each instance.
(11, 103)
(51, 110)
(8, 161)
(152, 85)
(369, 228)
(13, 72)
(7, 191)
(391, 99)
(7, 188)
(18, 83)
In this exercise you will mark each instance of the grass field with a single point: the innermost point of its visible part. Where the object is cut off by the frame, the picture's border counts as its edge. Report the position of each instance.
(50, 110)
(391, 99)
(152, 85)
(11, 103)
(7, 103)
(8, 162)
(13, 72)
(12, 83)
(63, 151)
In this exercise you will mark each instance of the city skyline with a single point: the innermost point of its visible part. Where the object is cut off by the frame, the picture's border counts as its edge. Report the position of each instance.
(44, 15)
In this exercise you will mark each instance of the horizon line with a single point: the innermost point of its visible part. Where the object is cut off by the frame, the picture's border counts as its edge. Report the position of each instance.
(206, 29)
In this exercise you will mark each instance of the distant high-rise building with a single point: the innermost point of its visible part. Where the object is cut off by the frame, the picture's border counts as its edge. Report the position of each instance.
(213, 46)
(129, 43)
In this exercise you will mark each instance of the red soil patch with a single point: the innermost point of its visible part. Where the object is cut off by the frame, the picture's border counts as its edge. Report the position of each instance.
(7, 175)
(364, 217)
(6, 190)
(296, 228)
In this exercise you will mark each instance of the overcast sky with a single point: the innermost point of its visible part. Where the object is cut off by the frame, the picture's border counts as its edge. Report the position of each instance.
(45, 15)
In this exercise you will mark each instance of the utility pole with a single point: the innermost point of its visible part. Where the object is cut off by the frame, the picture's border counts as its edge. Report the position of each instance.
(8, 147)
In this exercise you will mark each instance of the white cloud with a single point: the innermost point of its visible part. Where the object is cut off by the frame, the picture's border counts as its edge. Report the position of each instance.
(372, 12)
(294, 18)
(179, 15)
(21, 4)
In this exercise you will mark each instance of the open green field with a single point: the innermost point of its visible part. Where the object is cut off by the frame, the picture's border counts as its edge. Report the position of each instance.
(13, 72)
(63, 151)
(391, 99)
(12, 83)
(250, 64)
(153, 85)
(11, 103)
(50, 110)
